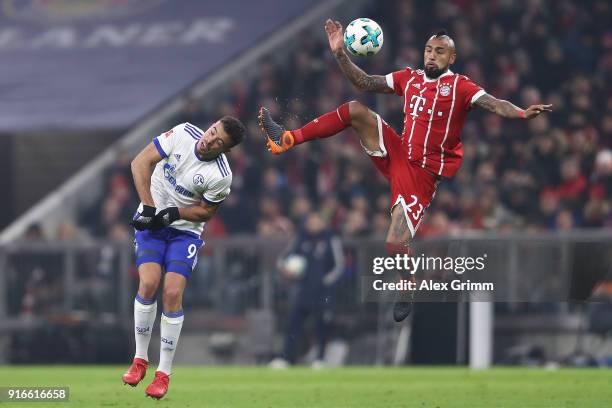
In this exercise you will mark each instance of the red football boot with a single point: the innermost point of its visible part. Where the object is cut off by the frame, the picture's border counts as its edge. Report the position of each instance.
(159, 387)
(136, 372)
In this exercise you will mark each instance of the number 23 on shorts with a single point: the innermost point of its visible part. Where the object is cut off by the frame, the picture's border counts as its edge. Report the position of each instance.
(414, 208)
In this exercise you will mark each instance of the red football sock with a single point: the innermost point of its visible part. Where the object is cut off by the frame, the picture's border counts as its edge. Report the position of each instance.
(324, 126)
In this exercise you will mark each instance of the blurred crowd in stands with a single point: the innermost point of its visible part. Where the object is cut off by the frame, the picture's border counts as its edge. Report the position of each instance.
(551, 173)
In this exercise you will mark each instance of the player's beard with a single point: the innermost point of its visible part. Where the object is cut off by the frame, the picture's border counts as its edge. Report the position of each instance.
(433, 73)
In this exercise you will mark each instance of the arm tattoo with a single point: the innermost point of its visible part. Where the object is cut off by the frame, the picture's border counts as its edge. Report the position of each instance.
(499, 106)
(361, 80)
(487, 102)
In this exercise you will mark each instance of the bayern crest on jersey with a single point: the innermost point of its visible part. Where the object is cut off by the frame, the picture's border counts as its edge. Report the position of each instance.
(445, 90)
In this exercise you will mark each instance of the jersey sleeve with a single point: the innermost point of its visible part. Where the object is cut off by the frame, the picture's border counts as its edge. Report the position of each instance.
(469, 92)
(397, 80)
(165, 142)
(218, 190)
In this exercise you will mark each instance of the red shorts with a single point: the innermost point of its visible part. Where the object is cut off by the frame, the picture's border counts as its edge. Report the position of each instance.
(411, 185)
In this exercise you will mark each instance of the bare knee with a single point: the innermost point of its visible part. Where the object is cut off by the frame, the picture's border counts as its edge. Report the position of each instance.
(173, 298)
(150, 276)
(363, 121)
(359, 112)
(148, 287)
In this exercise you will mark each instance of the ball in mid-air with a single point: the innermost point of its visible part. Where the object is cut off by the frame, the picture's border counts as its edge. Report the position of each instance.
(363, 37)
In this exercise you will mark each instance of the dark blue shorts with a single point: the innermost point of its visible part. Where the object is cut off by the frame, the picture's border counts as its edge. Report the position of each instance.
(174, 250)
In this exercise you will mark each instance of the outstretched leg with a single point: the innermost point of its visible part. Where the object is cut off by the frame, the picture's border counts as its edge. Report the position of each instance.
(351, 114)
(397, 242)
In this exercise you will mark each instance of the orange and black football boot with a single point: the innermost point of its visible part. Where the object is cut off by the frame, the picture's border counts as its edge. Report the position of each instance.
(278, 139)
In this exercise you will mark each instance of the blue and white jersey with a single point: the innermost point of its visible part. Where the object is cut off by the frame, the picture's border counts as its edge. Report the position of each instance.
(182, 179)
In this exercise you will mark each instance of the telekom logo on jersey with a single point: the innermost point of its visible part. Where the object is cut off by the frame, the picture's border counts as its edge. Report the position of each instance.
(417, 103)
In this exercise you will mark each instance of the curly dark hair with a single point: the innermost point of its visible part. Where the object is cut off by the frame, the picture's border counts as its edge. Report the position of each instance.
(234, 128)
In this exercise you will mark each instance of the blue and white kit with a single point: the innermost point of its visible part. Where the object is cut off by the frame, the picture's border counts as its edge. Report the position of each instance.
(181, 179)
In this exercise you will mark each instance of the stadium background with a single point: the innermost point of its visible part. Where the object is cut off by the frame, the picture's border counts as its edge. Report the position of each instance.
(66, 252)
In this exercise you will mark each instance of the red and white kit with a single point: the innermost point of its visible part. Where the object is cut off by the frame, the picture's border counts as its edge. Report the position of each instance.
(430, 146)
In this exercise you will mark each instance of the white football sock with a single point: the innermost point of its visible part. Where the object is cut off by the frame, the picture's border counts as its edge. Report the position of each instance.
(145, 311)
(171, 324)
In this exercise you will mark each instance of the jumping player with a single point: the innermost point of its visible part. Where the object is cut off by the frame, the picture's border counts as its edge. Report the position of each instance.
(436, 103)
(191, 178)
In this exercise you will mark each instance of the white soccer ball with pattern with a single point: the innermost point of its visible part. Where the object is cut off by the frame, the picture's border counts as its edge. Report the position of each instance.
(363, 37)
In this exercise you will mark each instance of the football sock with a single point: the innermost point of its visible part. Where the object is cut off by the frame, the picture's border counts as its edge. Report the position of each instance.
(324, 126)
(145, 311)
(171, 324)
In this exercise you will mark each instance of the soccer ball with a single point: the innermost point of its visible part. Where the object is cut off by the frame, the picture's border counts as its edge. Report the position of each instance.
(363, 37)
(294, 265)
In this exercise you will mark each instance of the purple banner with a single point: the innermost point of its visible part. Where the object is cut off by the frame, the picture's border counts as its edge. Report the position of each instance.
(82, 64)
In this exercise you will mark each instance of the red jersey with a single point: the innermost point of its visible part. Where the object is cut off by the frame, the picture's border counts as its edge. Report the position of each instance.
(434, 114)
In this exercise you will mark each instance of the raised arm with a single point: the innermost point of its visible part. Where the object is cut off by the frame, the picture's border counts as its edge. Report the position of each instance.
(361, 80)
(508, 109)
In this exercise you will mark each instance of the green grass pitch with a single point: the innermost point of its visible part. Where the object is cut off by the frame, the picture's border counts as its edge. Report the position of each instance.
(237, 387)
